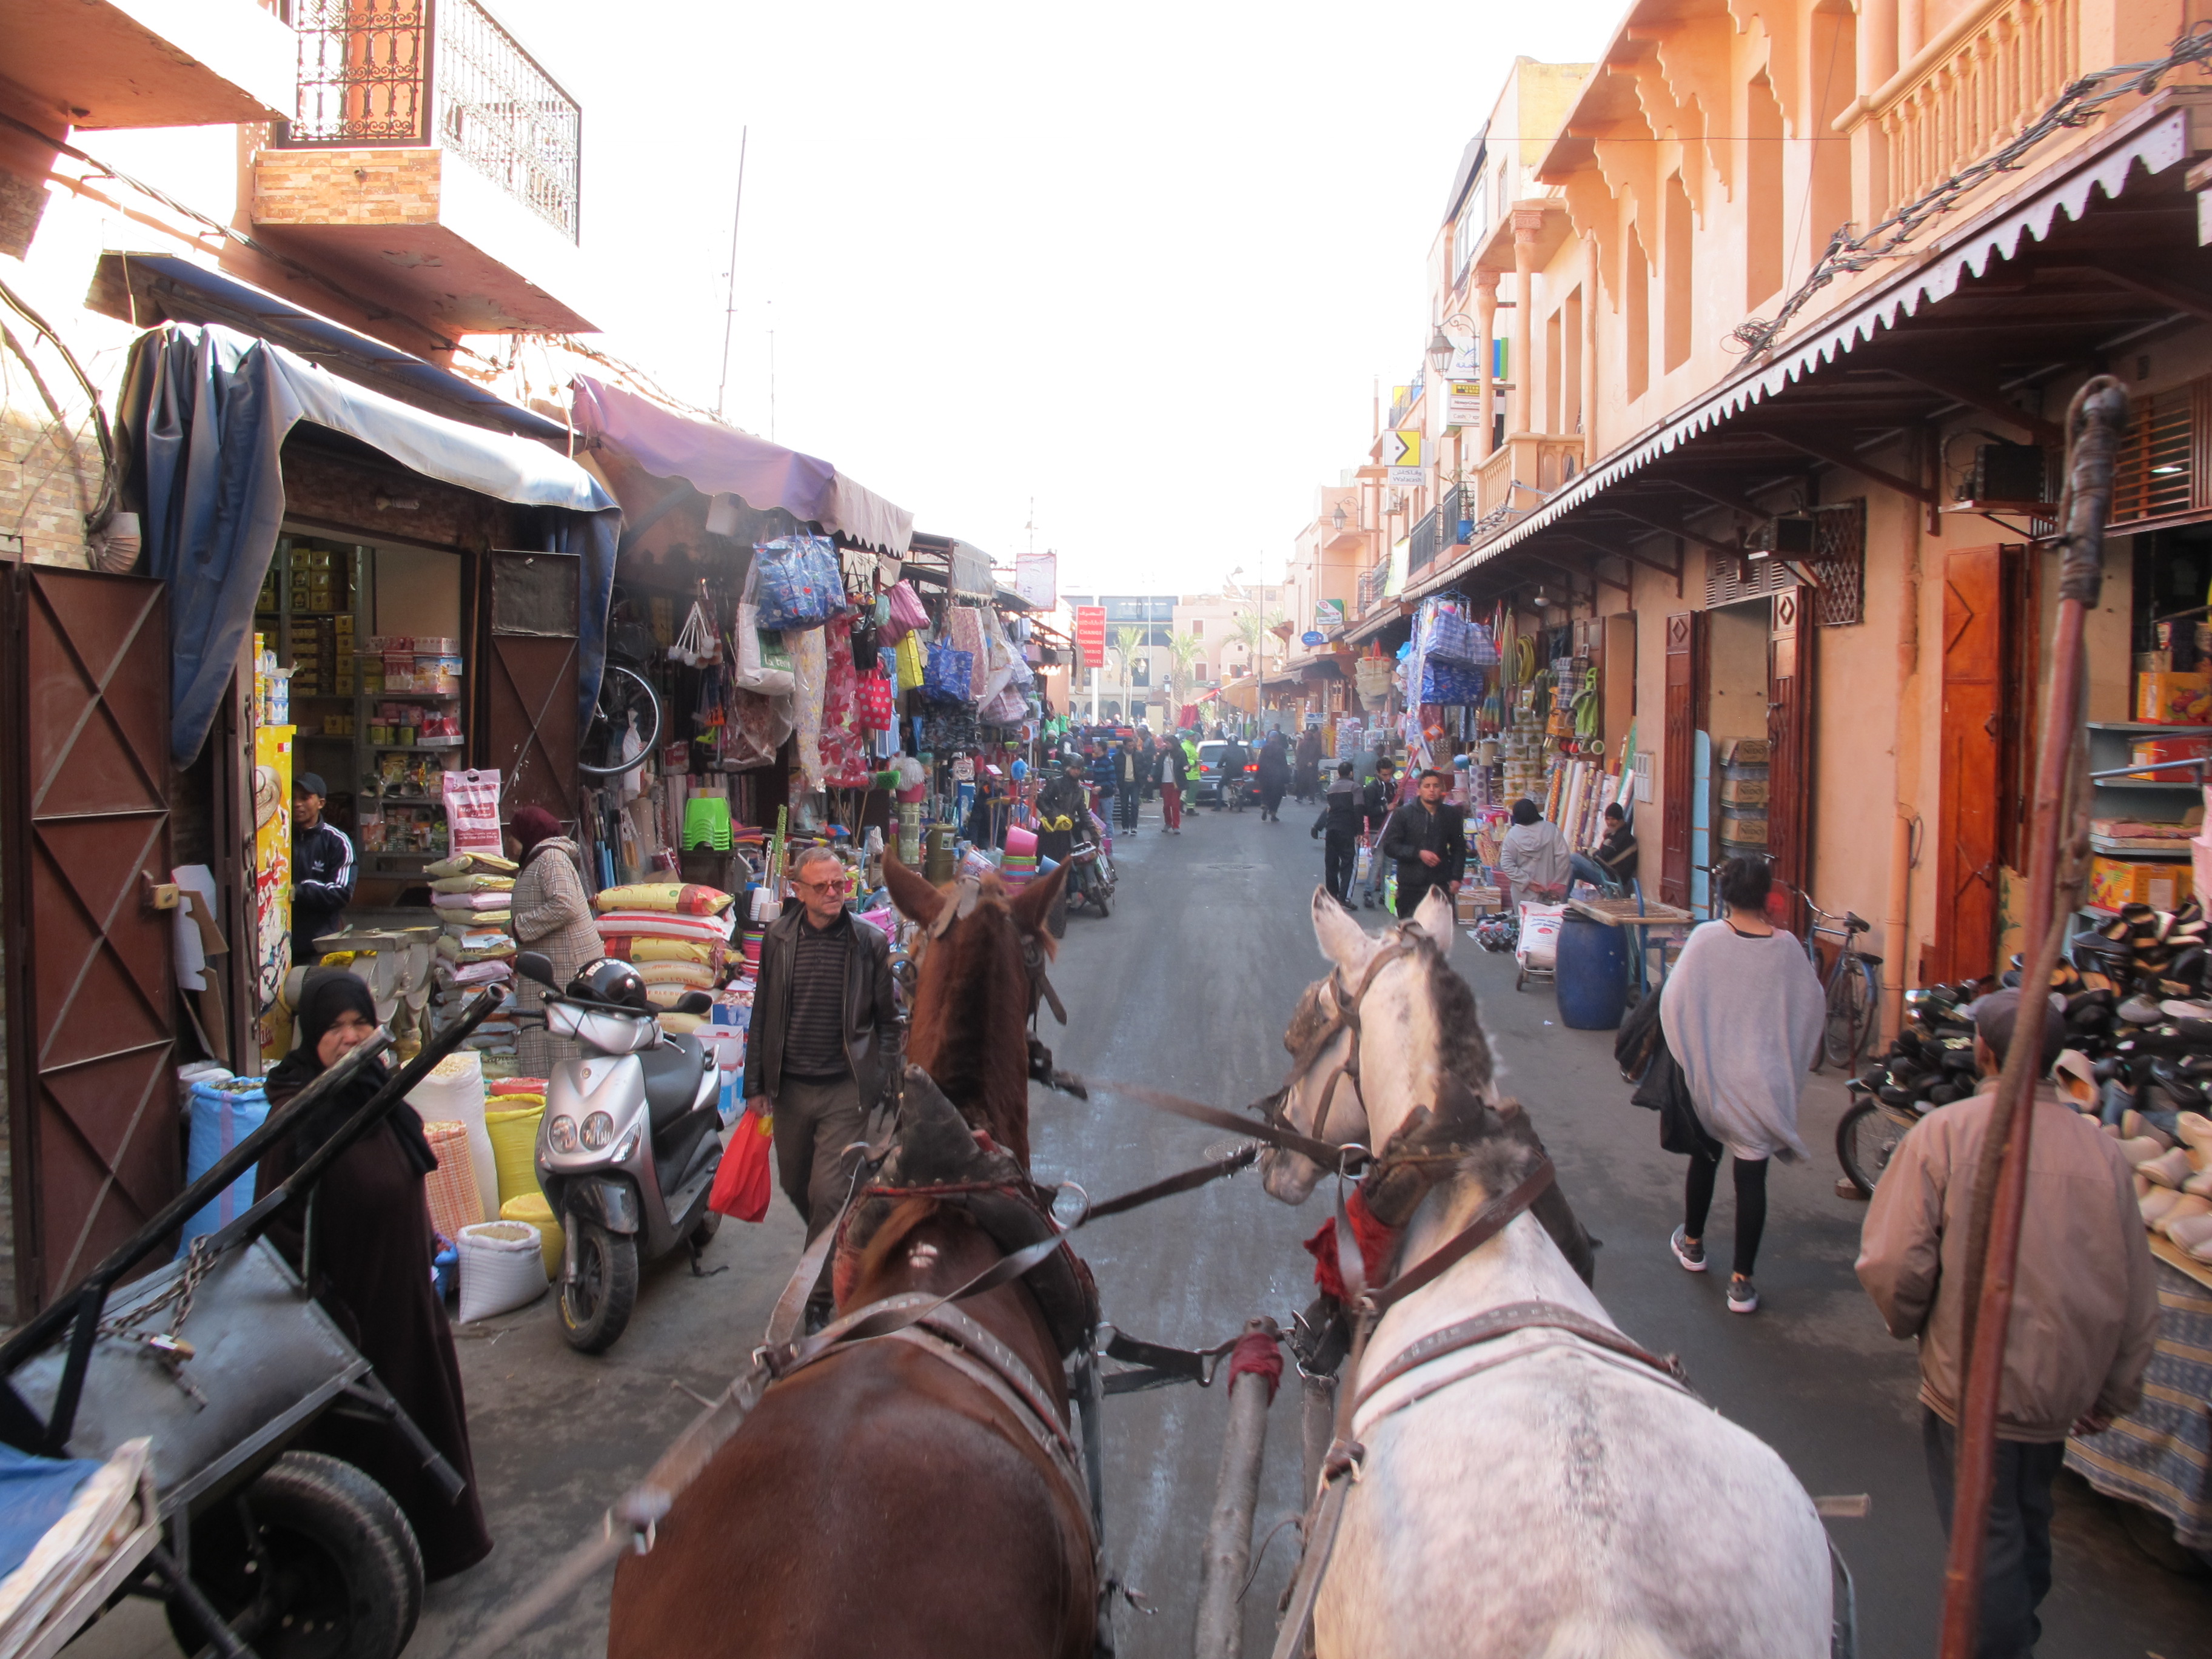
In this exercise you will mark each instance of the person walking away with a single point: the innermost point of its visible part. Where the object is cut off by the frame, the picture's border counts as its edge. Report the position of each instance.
(1427, 840)
(1534, 857)
(370, 1259)
(1169, 772)
(1061, 808)
(826, 1043)
(1148, 755)
(1102, 781)
(1741, 1013)
(1378, 798)
(551, 914)
(322, 870)
(1343, 817)
(1129, 785)
(1612, 866)
(1307, 780)
(1274, 775)
(1232, 772)
(2084, 1307)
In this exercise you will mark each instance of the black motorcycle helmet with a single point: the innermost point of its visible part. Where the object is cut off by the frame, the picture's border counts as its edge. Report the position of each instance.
(612, 982)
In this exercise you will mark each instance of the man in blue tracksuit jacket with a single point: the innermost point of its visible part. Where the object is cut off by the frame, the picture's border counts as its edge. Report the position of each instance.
(322, 870)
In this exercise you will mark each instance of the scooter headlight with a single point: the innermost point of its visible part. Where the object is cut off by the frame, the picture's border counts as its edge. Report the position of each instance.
(562, 1134)
(599, 1129)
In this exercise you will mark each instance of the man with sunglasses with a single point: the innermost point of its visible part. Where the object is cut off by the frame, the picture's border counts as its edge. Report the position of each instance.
(826, 1043)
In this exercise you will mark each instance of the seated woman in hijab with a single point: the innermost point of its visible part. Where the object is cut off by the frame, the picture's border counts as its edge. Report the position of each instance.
(371, 1266)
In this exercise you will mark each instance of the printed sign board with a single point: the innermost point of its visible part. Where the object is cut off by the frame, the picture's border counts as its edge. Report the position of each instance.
(1091, 635)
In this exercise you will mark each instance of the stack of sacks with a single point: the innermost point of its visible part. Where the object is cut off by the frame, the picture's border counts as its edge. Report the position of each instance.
(471, 893)
(676, 935)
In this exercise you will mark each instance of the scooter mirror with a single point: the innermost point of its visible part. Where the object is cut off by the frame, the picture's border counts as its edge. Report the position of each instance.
(693, 1002)
(535, 965)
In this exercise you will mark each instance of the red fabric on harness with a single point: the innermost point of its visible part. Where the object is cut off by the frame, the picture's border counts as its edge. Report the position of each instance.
(1260, 1355)
(1378, 1244)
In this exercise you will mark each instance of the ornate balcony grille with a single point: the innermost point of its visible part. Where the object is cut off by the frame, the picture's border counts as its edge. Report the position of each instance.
(1423, 553)
(443, 71)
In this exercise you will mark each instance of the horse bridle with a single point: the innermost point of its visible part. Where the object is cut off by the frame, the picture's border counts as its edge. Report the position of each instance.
(1404, 941)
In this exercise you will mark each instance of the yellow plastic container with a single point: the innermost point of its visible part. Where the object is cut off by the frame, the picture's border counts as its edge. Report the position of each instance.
(513, 1141)
(532, 1208)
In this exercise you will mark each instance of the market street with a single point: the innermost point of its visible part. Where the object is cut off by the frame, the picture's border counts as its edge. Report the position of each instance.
(1187, 987)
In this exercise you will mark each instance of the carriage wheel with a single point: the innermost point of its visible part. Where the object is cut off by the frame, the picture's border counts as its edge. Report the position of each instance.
(314, 1561)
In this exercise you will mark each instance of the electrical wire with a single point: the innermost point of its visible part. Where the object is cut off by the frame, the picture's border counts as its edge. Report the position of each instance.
(2076, 107)
(105, 503)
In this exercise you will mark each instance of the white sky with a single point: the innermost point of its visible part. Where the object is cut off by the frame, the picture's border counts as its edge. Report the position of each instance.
(1143, 263)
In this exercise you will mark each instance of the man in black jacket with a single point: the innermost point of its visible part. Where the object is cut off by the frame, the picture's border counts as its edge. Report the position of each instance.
(1377, 795)
(1343, 815)
(322, 870)
(826, 1041)
(1427, 838)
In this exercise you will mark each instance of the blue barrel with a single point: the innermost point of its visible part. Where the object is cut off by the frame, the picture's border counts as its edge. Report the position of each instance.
(222, 1115)
(1592, 974)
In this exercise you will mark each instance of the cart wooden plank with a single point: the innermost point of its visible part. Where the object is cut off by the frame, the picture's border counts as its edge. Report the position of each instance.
(1624, 913)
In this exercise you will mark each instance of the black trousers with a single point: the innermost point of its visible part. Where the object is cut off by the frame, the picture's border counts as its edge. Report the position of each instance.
(1126, 804)
(2016, 1567)
(1338, 857)
(1750, 1204)
(1412, 888)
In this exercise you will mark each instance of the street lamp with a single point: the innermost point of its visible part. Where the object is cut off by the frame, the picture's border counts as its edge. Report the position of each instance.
(1443, 348)
(1337, 517)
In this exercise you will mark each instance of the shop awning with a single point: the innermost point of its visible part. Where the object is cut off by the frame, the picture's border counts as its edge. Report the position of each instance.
(2060, 288)
(720, 460)
(168, 287)
(204, 412)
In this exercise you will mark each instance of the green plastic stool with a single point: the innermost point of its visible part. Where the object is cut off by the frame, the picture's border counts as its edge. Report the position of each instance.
(707, 823)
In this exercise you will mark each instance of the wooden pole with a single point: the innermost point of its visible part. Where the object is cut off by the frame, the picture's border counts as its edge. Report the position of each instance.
(2093, 425)
(1317, 1427)
(1228, 1559)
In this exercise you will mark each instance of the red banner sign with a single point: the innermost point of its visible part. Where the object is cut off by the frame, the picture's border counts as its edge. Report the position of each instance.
(1091, 635)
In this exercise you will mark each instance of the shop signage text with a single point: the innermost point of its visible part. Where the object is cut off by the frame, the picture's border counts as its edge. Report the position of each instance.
(1091, 635)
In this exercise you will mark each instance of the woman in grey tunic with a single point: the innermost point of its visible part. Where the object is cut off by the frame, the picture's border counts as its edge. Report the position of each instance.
(552, 913)
(1742, 1012)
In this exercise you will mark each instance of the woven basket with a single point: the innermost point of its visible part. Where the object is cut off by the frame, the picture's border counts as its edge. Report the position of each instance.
(454, 1203)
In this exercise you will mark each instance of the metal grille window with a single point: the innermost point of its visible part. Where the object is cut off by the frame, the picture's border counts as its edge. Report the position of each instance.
(1425, 543)
(419, 71)
(1838, 563)
(2164, 470)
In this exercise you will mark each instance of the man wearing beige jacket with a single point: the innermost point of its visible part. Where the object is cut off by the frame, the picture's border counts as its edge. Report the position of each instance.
(2084, 1312)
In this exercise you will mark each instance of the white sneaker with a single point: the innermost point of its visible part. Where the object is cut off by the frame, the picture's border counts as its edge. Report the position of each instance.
(1742, 1298)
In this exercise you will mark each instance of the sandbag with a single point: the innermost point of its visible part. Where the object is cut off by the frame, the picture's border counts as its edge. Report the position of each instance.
(695, 974)
(502, 1267)
(462, 864)
(680, 898)
(532, 1209)
(222, 1115)
(473, 883)
(664, 924)
(454, 1092)
(514, 1146)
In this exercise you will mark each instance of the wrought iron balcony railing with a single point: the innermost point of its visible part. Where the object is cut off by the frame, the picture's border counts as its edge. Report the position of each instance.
(1457, 510)
(1372, 583)
(442, 72)
(1423, 552)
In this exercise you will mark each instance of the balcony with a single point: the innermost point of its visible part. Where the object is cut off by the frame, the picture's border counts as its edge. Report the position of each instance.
(1516, 478)
(1423, 551)
(150, 63)
(431, 154)
(1970, 90)
(1455, 516)
(1372, 580)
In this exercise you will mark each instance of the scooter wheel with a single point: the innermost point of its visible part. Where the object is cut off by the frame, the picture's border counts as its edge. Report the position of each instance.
(596, 1307)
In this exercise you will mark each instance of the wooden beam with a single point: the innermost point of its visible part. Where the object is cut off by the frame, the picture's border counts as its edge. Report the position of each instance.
(1722, 498)
(2155, 284)
(1838, 455)
(1728, 549)
(1617, 552)
(1989, 401)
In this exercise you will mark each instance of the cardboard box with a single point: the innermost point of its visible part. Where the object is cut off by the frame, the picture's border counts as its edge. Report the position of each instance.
(1743, 792)
(1745, 832)
(2173, 699)
(2115, 882)
(2153, 752)
(1744, 752)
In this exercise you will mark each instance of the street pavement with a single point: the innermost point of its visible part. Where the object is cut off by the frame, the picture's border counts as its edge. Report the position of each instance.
(1187, 987)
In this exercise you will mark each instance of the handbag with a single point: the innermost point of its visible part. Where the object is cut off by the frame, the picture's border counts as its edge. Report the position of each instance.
(874, 703)
(910, 662)
(798, 582)
(948, 673)
(741, 1181)
(763, 665)
(907, 613)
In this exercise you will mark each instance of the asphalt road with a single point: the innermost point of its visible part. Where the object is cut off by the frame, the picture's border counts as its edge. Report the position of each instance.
(1187, 987)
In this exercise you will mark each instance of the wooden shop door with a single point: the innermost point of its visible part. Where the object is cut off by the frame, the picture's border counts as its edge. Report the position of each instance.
(1789, 745)
(91, 986)
(1969, 785)
(529, 651)
(1685, 671)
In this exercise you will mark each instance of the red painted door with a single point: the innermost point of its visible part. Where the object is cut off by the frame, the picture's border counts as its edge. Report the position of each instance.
(1968, 810)
(1790, 743)
(1686, 673)
(91, 978)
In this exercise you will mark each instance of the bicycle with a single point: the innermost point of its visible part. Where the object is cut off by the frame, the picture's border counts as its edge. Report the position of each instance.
(1853, 988)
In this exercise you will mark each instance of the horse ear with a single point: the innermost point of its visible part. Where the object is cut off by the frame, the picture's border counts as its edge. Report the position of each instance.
(1034, 904)
(917, 901)
(1342, 939)
(1434, 917)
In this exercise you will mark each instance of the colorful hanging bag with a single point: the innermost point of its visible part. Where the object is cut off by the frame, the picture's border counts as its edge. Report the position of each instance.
(798, 584)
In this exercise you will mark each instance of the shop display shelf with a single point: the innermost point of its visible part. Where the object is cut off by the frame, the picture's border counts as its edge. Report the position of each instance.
(419, 696)
(2150, 729)
(439, 748)
(2186, 783)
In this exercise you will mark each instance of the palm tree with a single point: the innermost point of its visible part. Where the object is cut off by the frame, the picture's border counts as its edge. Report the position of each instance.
(1184, 647)
(1128, 640)
(1254, 630)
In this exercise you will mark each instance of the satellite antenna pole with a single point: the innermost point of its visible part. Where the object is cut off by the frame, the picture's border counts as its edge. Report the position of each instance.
(730, 299)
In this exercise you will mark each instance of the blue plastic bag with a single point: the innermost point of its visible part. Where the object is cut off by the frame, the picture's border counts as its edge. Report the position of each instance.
(948, 674)
(799, 583)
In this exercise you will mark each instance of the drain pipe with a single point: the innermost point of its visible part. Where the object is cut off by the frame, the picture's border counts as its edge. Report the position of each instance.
(1897, 912)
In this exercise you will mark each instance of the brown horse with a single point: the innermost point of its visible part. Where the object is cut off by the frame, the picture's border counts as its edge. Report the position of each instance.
(882, 1500)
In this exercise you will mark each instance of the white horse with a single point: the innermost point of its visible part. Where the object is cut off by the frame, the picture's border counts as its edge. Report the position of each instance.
(1535, 1496)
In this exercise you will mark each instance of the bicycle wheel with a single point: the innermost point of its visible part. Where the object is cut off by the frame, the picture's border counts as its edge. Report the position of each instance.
(627, 700)
(1866, 1137)
(1850, 1012)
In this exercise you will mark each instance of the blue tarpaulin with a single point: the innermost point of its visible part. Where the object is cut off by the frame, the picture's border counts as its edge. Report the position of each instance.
(205, 411)
(35, 1493)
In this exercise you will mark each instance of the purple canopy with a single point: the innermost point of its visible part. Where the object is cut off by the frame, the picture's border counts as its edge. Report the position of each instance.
(718, 461)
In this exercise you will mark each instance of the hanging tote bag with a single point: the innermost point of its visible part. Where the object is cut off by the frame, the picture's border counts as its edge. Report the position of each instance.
(906, 613)
(741, 1180)
(948, 673)
(911, 663)
(798, 584)
(875, 705)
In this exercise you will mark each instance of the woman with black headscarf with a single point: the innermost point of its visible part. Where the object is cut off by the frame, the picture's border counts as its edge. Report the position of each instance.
(372, 1272)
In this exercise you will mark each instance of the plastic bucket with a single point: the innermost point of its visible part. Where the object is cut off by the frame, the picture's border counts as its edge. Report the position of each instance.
(1592, 974)
(1020, 841)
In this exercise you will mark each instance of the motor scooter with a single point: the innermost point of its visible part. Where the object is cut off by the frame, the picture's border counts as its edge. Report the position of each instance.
(1090, 878)
(629, 1144)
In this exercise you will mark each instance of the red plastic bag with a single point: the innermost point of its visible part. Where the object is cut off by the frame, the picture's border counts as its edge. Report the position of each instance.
(741, 1182)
